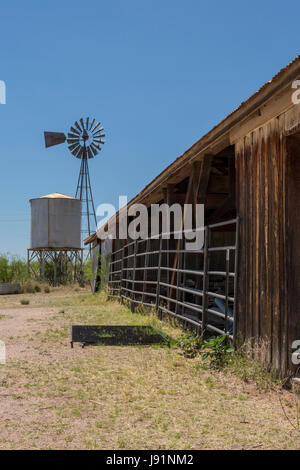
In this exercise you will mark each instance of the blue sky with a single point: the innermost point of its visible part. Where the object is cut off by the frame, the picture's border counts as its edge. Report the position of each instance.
(158, 75)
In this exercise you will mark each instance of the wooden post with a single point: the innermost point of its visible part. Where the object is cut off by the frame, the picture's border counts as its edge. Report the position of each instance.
(187, 199)
(196, 190)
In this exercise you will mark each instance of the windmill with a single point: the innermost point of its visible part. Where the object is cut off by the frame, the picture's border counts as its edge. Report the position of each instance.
(85, 141)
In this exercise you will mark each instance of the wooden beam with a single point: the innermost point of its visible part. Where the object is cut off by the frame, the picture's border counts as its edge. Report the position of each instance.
(204, 178)
(187, 200)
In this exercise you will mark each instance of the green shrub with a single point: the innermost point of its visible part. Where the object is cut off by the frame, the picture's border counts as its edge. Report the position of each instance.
(218, 350)
(88, 269)
(13, 269)
(191, 344)
(25, 302)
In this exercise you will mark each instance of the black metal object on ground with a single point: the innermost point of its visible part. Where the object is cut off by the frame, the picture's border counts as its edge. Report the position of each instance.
(113, 335)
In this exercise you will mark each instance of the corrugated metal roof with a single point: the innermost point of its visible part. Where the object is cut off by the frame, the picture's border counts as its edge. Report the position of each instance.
(241, 106)
(265, 85)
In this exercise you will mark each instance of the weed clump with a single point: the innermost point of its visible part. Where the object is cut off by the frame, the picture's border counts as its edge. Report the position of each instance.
(190, 344)
(245, 362)
(25, 302)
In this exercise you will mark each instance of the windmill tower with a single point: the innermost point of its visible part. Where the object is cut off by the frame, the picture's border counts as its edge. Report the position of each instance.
(85, 141)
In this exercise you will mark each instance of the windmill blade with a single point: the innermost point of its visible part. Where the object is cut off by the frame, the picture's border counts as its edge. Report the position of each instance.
(94, 149)
(87, 123)
(79, 154)
(76, 151)
(99, 130)
(82, 123)
(92, 123)
(74, 146)
(78, 126)
(73, 136)
(99, 141)
(74, 130)
(73, 141)
(98, 133)
(90, 155)
(95, 127)
(54, 138)
(98, 147)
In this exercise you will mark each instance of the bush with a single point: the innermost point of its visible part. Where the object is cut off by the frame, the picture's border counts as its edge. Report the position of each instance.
(28, 288)
(13, 269)
(88, 269)
(47, 290)
(25, 302)
(191, 344)
(218, 350)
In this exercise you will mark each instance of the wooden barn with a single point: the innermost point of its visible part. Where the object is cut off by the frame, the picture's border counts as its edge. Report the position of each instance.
(245, 280)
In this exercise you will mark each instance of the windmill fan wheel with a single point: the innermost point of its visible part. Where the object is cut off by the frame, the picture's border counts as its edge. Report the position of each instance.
(85, 138)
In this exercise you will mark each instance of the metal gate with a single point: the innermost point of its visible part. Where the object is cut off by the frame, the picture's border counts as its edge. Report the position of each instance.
(195, 286)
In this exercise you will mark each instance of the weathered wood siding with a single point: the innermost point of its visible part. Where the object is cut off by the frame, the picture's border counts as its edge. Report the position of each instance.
(262, 309)
(293, 237)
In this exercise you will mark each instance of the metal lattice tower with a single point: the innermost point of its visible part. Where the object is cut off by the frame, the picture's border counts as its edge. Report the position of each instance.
(85, 140)
(84, 193)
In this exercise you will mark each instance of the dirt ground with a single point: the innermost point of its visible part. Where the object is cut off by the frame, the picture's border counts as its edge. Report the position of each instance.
(122, 397)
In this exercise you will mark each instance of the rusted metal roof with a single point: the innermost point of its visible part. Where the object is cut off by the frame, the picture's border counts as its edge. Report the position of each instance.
(229, 121)
(90, 239)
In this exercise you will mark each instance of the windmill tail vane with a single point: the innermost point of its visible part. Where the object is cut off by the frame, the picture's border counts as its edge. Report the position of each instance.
(85, 141)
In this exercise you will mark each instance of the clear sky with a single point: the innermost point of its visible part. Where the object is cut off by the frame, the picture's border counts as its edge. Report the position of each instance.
(159, 74)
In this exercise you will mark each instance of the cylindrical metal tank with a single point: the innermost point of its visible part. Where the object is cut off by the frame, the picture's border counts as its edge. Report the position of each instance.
(55, 222)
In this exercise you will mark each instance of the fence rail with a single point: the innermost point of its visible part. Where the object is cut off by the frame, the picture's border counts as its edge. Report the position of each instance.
(195, 286)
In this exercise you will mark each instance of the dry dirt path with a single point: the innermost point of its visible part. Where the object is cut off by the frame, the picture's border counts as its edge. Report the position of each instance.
(55, 397)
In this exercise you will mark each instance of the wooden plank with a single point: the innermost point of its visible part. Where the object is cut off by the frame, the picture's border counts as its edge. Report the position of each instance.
(203, 180)
(293, 236)
(241, 312)
(248, 239)
(285, 358)
(255, 234)
(276, 327)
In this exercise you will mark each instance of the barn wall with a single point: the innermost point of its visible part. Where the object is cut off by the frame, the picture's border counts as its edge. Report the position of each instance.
(293, 236)
(262, 311)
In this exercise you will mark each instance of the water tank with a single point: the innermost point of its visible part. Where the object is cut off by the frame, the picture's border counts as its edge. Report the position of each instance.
(55, 222)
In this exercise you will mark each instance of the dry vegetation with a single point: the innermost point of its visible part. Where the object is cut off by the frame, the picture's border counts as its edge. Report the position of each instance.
(113, 397)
